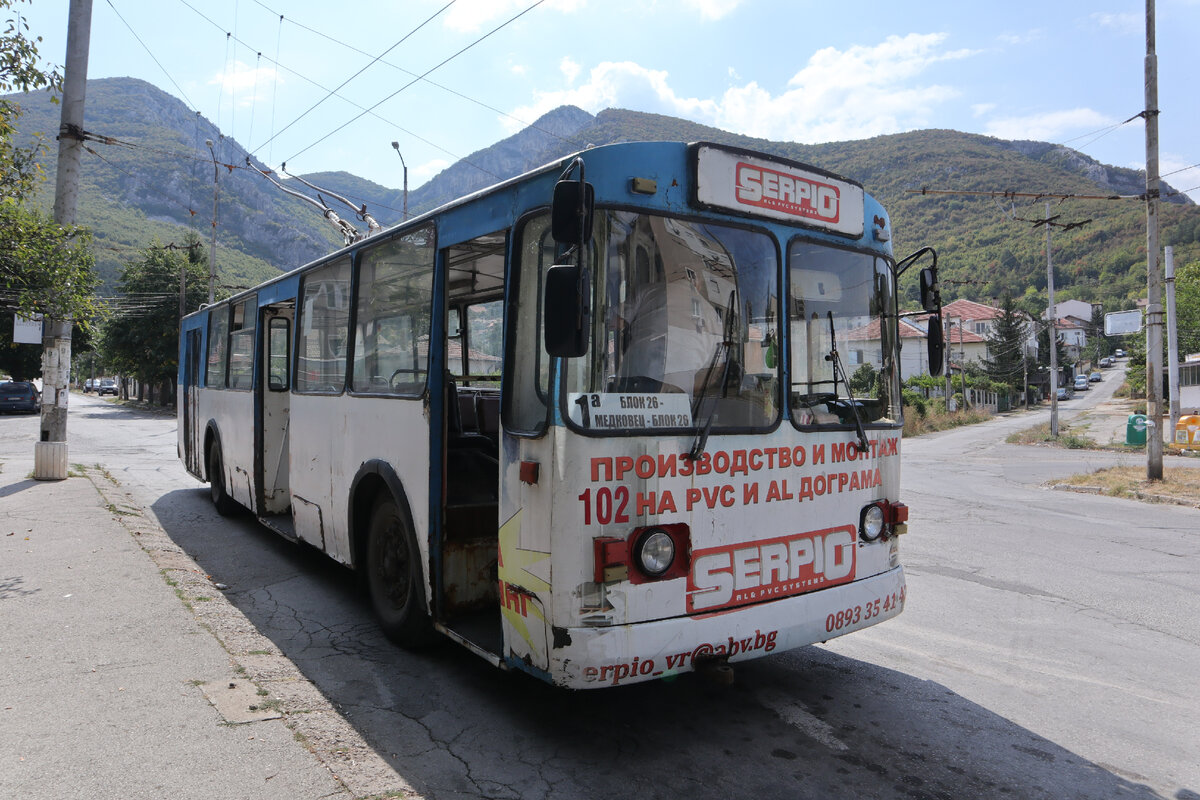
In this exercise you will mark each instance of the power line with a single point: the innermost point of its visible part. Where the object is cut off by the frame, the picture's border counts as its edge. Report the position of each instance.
(342, 85)
(435, 84)
(152, 56)
(432, 69)
(309, 80)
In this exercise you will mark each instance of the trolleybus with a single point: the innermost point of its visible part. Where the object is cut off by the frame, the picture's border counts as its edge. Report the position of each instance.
(630, 415)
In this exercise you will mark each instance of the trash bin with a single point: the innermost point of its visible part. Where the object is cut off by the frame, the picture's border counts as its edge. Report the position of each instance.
(1187, 433)
(1135, 429)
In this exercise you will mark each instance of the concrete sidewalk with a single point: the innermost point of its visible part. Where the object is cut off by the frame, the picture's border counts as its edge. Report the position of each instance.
(124, 673)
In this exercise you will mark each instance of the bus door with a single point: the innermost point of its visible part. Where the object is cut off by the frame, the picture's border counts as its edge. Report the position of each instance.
(274, 395)
(468, 599)
(192, 450)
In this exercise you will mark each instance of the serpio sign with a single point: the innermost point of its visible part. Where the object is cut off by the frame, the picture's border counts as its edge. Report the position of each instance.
(762, 187)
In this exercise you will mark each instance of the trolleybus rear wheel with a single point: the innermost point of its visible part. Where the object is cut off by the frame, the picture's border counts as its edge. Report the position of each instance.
(225, 504)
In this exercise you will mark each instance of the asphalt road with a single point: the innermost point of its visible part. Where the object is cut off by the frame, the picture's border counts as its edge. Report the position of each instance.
(1047, 650)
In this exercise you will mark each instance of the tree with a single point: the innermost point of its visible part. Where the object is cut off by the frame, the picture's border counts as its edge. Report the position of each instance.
(1005, 362)
(45, 268)
(141, 337)
(1098, 343)
(1187, 308)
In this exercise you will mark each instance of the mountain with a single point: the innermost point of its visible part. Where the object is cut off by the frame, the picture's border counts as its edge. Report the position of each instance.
(156, 181)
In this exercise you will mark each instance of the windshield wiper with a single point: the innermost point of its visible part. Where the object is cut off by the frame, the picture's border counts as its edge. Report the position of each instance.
(863, 444)
(726, 345)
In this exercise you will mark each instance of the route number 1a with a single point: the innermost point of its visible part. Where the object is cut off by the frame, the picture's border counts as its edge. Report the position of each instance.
(584, 401)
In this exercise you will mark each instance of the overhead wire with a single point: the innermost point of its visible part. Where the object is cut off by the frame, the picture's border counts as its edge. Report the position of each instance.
(433, 83)
(306, 79)
(432, 69)
(342, 85)
(152, 56)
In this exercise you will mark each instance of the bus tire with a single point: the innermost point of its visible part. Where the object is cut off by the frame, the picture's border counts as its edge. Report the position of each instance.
(226, 505)
(393, 577)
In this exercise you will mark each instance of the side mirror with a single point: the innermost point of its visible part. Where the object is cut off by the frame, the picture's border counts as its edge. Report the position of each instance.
(567, 308)
(571, 212)
(931, 296)
(935, 341)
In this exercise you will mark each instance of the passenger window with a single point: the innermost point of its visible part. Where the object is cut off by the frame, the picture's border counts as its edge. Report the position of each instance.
(394, 303)
(324, 319)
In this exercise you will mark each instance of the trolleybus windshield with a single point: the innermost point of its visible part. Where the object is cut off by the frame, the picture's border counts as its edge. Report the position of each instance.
(686, 328)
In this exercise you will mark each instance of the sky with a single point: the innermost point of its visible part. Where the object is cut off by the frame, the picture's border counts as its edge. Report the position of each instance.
(330, 87)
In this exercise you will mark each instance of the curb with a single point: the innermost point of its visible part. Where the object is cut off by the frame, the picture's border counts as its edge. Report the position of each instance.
(283, 689)
(1134, 494)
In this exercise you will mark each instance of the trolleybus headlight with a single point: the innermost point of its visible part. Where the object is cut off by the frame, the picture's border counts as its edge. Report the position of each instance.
(871, 522)
(655, 552)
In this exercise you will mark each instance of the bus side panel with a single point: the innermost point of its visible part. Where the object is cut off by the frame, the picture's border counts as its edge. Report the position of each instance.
(331, 437)
(233, 415)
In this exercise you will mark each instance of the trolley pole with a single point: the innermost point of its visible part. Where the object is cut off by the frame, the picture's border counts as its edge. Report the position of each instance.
(1154, 305)
(50, 452)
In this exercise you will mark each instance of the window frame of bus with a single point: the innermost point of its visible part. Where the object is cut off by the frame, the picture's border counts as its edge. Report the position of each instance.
(217, 334)
(888, 262)
(355, 315)
(239, 333)
(748, 225)
(273, 356)
(513, 379)
(343, 261)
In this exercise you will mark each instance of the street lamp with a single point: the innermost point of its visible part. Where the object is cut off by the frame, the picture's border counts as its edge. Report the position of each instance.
(212, 250)
(396, 147)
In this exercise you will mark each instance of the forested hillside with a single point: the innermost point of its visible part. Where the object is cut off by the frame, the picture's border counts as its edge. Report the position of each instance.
(153, 181)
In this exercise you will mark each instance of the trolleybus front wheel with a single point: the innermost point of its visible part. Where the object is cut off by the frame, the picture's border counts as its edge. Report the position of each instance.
(394, 578)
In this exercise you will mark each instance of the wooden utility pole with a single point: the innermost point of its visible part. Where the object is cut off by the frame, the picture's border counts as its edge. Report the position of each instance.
(50, 452)
(1154, 305)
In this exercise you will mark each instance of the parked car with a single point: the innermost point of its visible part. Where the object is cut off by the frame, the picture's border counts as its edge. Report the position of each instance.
(1095, 377)
(19, 396)
(89, 385)
(107, 386)
(1064, 393)
(1081, 383)
(1106, 362)
(1119, 353)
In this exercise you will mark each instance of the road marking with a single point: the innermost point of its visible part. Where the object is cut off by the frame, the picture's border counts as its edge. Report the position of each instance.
(794, 713)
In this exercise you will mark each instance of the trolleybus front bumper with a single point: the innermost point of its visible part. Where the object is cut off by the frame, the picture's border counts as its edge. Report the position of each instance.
(594, 657)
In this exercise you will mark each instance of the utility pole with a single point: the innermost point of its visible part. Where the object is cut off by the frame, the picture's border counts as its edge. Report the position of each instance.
(946, 370)
(212, 250)
(962, 364)
(1053, 314)
(1154, 307)
(50, 452)
(1172, 341)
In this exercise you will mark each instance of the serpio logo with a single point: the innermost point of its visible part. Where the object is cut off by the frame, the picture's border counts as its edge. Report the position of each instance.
(770, 569)
(789, 193)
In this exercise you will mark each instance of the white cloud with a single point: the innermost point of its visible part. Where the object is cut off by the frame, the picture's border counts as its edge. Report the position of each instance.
(423, 172)
(1022, 38)
(862, 91)
(519, 70)
(570, 69)
(1180, 173)
(1051, 126)
(246, 84)
(1121, 23)
(471, 16)
(981, 109)
(712, 9)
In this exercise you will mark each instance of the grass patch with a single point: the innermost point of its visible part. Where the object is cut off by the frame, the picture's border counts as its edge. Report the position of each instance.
(1040, 434)
(1182, 485)
(915, 425)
